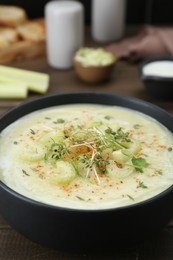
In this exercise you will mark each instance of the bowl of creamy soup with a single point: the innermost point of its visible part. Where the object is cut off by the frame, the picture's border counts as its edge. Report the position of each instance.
(93, 65)
(77, 169)
(157, 75)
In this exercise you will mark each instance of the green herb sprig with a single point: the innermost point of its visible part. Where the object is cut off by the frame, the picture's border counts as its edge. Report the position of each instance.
(138, 163)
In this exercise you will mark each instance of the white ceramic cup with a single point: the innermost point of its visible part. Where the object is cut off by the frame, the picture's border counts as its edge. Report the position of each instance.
(108, 19)
(64, 32)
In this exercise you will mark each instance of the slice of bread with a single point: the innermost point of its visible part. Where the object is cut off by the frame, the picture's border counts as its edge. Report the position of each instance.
(32, 31)
(20, 37)
(12, 16)
(8, 36)
(22, 50)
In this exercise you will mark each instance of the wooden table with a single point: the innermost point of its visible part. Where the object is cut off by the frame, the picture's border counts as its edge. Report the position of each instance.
(125, 80)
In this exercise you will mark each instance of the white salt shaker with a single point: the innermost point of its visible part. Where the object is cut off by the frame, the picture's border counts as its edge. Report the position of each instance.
(65, 31)
(108, 19)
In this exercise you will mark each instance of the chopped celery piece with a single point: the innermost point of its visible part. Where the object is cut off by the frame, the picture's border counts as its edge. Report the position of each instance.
(13, 89)
(35, 81)
(94, 57)
(53, 136)
(95, 124)
(136, 147)
(119, 157)
(118, 173)
(64, 175)
(32, 155)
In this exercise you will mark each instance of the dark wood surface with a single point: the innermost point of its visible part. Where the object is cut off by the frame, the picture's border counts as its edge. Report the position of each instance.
(125, 80)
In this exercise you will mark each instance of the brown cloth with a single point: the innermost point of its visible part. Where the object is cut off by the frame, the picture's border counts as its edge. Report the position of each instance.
(151, 42)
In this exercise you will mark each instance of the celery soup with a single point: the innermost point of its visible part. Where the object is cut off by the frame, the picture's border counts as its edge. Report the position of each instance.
(87, 156)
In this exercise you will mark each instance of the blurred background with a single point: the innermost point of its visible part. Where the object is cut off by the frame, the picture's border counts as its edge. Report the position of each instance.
(138, 11)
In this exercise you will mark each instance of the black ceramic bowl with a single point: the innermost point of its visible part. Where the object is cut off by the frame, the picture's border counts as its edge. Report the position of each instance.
(158, 82)
(64, 228)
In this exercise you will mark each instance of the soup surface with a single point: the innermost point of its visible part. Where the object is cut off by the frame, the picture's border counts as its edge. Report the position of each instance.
(87, 156)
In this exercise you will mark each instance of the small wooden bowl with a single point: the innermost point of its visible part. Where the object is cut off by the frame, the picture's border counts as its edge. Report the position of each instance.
(93, 74)
(93, 65)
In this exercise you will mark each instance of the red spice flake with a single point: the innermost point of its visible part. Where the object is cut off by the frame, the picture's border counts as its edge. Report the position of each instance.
(32, 137)
(119, 165)
(155, 174)
(89, 151)
(76, 185)
(162, 147)
(67, 189)
(102, 175)
(38, 166)
(140, 133)
(139, 155)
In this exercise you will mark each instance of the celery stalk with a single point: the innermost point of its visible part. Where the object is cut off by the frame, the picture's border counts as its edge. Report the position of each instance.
(35, 81)
(12, 89)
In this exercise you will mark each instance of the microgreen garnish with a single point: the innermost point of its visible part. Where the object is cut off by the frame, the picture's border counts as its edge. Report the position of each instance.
(137, 126)
(41, 176)
(101, 163)
(32, 132)
(85, 159)
(34, 169)
(138, 163)
(15, 142)
(59, 121)
(107, 117)
(142, 185)
(24, 172)
(170, 149)
(86, 146)
(96, 124)
(57, 151)
(78, 140)
(66, 134)
(130, 197)
(79, 198)
(159, 172)
(119, 134)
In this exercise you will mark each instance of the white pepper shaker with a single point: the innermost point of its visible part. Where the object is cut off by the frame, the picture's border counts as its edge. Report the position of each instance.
(65, 32)
(108, 19)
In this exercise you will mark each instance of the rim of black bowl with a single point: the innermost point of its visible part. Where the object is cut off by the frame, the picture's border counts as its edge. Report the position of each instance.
(74, 98)
(150, 77)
